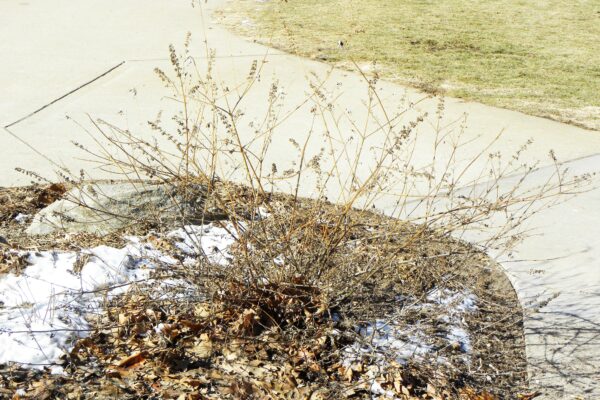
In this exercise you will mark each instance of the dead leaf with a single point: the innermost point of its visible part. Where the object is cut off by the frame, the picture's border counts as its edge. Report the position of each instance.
(203, 348)
(50, 194)
(471, 394)
(13, 262)
(348, 374)
(194, 327)
(132, 361)
(202, 310)
(529, 396)
(242, 390)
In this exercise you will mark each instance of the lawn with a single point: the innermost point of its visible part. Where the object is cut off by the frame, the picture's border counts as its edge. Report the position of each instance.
(539, 57)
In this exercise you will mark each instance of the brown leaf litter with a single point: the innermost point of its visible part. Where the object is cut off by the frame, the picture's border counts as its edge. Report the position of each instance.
(281, 339)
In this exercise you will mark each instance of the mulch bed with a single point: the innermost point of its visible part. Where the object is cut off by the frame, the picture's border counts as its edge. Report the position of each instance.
(278, 342)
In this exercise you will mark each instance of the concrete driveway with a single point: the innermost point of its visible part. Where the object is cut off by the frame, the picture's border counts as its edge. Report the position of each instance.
(70, 58)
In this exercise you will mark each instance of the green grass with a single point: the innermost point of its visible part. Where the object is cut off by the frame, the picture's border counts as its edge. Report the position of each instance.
(539, 57)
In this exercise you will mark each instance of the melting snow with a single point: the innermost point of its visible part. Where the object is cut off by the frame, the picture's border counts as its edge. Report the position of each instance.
(43, 310)
(208, 240)
(21, 218)
(392, 338)
(382, 340)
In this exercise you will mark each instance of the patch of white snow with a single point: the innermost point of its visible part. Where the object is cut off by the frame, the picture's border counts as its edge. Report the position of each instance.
(43, 309)
(383, 340)
(21, 218)
(210, 241)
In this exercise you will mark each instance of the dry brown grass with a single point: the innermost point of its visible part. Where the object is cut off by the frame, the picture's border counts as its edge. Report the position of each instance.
(540, 58)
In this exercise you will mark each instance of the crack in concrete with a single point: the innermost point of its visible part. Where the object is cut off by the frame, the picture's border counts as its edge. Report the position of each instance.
(64, 96)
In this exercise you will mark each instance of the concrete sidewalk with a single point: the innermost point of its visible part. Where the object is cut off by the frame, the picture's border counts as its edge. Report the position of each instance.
(66, 57)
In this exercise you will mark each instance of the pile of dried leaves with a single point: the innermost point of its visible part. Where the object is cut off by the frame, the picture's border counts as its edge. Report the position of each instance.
(241, 336)
(211, 350)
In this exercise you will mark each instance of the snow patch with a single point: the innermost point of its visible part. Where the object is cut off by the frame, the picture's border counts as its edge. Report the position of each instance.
(382, 340)
(212, 242)
(21, 218)
(43, 309)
